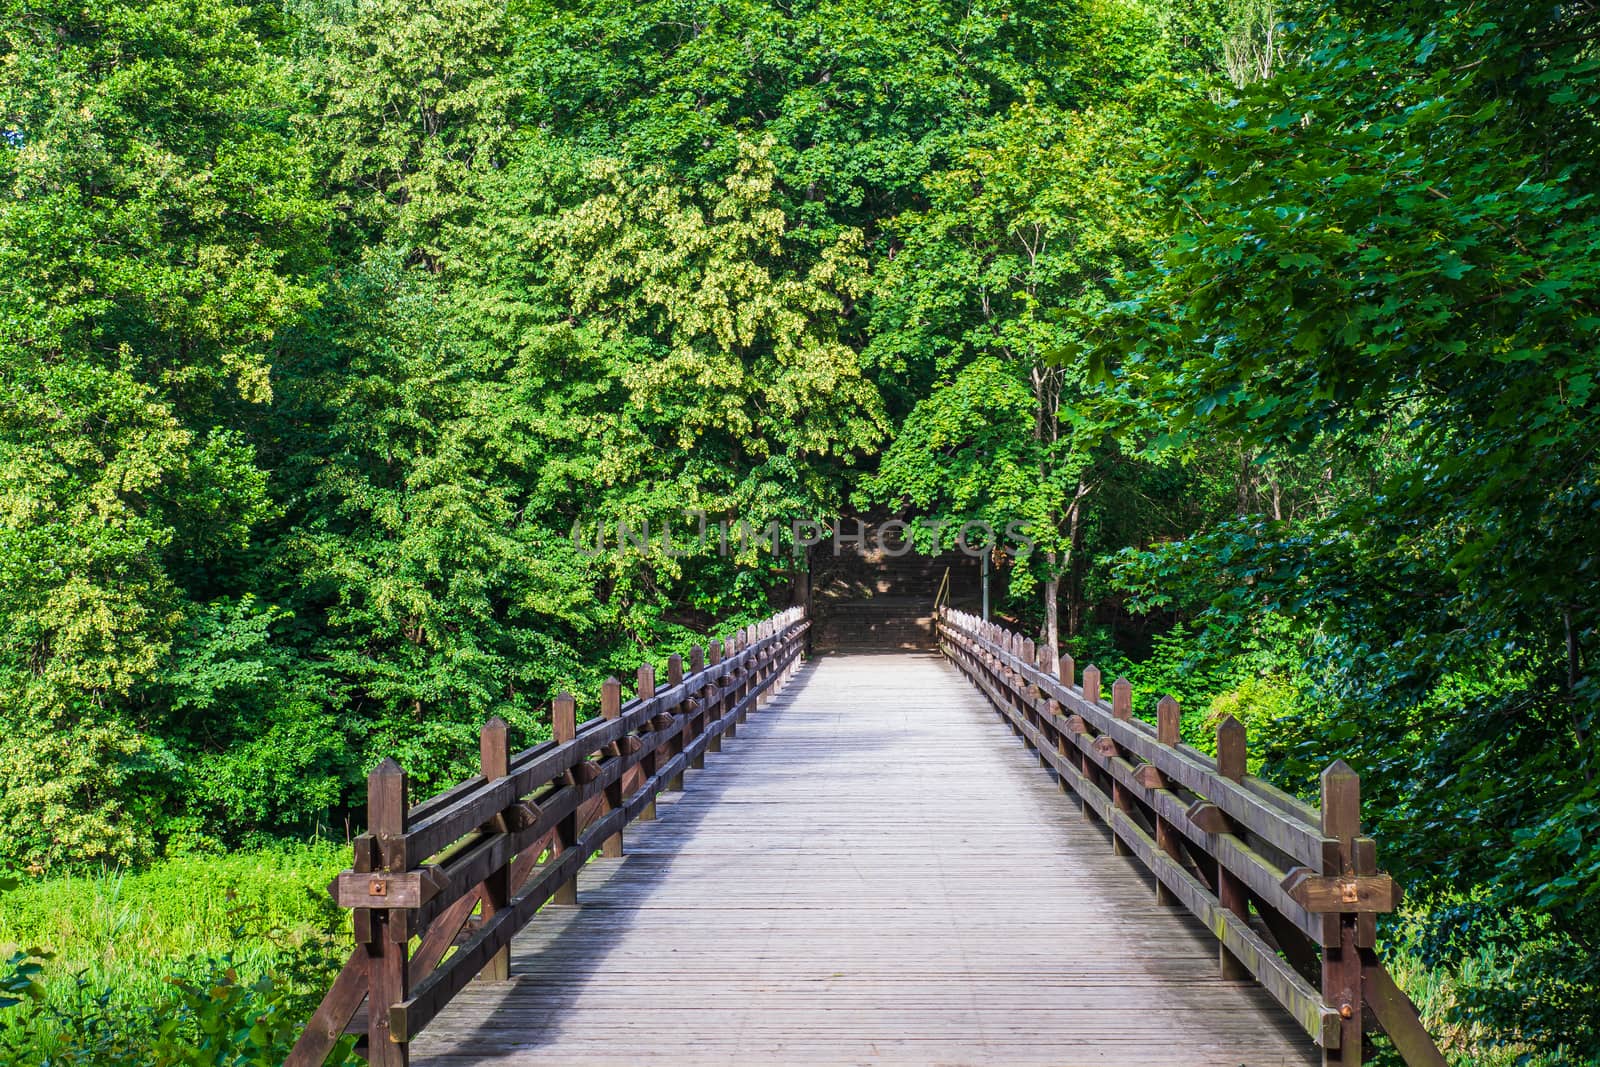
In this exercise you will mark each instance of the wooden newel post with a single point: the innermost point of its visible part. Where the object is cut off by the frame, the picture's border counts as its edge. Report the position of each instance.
(494, 761)
(762, 664)
(611, 708)
(1091, 684)
(675, 678)
(1168, 717)
(1232, 758)
(718, 707)
(1122, 709)
(388, 941)
(1341, 964)
(564, 727)
(652, 759)
(735, 681)
(1067, 672)
(752, 673)
(697, 720)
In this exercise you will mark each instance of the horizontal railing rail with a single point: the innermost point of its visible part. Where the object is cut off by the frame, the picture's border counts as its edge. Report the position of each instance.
(466, 869)
(1291, 892)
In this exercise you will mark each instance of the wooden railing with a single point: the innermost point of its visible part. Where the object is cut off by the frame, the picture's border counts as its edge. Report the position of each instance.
(468, 868)
(1291, 893)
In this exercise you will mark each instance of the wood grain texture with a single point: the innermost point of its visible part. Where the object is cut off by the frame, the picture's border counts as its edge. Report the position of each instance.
(872, 872)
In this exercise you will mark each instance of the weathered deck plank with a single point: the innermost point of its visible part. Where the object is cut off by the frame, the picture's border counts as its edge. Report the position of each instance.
(873, 871)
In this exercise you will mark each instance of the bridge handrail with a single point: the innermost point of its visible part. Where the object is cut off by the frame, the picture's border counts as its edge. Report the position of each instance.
(505, 842)
(1290, 891)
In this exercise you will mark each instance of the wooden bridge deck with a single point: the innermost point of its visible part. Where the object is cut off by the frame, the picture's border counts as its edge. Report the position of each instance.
(873, 871)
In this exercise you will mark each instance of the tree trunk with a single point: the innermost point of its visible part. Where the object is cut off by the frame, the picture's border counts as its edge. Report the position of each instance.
(1052, 588)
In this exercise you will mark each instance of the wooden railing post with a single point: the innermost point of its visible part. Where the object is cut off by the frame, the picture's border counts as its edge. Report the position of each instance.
(1091, 684)
(747, 637)
(1121, 708)
(611, 708)
(715, 703)
(697, 708)
(764, 668)
(564, 726)
(652, 759)
(1168, 717)
(1341, 964)
(494, 761)
(1232, 759)
(388, 941)
(736, 681)
(675, 678)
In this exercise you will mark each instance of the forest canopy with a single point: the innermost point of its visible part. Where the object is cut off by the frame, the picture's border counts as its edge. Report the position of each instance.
(323, 323)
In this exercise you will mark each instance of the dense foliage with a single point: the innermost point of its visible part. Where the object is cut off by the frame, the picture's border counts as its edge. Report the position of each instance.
(336, 335)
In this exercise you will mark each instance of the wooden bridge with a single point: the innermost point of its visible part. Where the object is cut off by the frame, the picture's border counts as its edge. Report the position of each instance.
(872, 870)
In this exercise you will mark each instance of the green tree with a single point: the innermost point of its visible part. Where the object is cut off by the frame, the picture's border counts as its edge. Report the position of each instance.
(982, 288)
(1387, 253)
(156, 221)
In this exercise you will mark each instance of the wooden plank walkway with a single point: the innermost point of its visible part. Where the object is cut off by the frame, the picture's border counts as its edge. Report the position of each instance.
(875, 871)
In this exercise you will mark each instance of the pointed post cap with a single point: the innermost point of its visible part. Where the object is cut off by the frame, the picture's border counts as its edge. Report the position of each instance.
(1169, 717)
(1091, 683)
(1341, 805)
(1122, 698)
(1232, 754)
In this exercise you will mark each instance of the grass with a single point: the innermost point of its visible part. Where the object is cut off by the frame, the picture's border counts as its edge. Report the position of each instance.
(199, 960)
(125, 932)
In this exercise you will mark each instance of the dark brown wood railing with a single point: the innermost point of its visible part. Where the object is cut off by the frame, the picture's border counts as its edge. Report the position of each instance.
(1291, 892)
(468, 868)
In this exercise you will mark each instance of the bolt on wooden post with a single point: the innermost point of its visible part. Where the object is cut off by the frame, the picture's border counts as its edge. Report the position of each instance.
(564, 727)
(388, 943)
(494, 761)
(1341, 964)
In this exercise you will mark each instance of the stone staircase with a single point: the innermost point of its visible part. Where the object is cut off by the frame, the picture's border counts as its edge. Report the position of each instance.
(864, 599)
